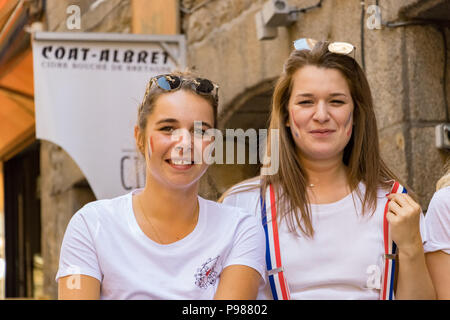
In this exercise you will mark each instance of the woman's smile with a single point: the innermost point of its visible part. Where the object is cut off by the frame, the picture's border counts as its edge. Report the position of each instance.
(322, 133)
(180, 164)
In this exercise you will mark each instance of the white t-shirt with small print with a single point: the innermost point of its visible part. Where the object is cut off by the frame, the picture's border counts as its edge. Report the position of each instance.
(437, 222)
(103, 240)
(343, 260)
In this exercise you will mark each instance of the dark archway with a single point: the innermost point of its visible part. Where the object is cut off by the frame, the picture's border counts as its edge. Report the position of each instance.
(251, 110)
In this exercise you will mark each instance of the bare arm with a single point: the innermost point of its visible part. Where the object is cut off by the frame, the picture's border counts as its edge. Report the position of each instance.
(78, 287)
(238, 282)
(414, 281)
(439, 266)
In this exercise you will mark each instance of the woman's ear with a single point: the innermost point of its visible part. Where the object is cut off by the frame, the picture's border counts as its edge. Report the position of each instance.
(139, 140)
(287, 124)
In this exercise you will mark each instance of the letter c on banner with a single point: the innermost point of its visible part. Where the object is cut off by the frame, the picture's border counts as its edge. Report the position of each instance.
(122, 172)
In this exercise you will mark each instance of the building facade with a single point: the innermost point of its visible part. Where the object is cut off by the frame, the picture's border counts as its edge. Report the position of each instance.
(403, 46)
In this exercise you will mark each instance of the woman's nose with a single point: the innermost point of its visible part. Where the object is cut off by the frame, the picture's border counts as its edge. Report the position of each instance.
(183, 140)
(321, 113)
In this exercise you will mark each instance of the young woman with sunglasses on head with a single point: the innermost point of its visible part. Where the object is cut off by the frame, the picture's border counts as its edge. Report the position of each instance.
(323, 211)
(437, 248)
(164, 241)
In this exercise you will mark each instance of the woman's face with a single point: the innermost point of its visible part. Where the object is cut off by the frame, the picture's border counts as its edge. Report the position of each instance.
(172, 144)
(320, 113)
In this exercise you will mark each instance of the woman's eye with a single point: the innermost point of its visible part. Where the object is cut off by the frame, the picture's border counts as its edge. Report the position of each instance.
(337, 102)
(166, 129)
(305, 102)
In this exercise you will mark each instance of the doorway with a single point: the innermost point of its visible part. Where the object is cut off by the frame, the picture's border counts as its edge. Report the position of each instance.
(22, 222)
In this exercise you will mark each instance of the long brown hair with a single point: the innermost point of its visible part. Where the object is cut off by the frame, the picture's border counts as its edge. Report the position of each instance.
(361, 155)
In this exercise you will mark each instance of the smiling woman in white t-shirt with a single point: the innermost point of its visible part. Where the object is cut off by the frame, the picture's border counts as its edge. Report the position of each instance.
(330, 189)
(164, 241)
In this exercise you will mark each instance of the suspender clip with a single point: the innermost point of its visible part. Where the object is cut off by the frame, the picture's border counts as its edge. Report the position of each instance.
(390, 256)
(275, 271)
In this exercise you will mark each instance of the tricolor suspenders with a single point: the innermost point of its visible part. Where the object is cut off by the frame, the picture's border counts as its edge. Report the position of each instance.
(390, 252)
(277, 279)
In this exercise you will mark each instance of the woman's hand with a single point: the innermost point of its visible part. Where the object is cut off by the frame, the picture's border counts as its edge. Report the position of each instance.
(404, 220)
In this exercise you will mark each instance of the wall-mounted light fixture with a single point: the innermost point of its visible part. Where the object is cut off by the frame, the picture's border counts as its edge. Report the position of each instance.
(277, 13)
(274, 14)
(443, 136)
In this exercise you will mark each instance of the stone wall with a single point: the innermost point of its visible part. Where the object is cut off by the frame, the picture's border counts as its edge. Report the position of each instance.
(222, 45)
(63, 192)
(107, 16)
(404, 66)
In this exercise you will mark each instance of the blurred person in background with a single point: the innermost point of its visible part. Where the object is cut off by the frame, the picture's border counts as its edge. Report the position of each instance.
(437, 247)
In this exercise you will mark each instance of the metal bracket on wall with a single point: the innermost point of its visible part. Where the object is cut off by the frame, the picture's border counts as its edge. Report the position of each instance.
(443, 136)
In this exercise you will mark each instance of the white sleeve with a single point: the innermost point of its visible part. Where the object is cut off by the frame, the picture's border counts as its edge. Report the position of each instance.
(248, 246)
(230, 200)
(248, 201)
(78, 254)
(437, 222)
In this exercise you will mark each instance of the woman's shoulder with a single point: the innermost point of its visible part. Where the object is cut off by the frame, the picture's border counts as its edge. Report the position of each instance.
(381, 190)
(243, 195)
(102, 208)
(222, 210)
(227, 217)
(440, 200)
(246, 188)
(442, 194)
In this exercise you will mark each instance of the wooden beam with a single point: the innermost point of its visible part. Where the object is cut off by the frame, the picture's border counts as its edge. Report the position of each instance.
(6, 7)
(17, 123)
(17, 74)
(26, 138)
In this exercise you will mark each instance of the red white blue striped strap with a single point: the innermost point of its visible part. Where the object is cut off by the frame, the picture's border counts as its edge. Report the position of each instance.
(277, 280)
(390, 251)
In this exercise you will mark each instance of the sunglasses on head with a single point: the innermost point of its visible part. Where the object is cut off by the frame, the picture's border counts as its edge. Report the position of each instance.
(170, 82)
(344, 48)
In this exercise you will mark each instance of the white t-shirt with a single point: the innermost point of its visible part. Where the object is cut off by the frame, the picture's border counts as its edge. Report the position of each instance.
(103, 240)
(344, 259)
(437, 222)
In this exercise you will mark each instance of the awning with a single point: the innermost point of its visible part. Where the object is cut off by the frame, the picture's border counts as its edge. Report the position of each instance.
(17, 125)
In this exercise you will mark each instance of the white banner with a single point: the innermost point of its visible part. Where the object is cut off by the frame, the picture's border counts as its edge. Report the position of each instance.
(88, 87)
